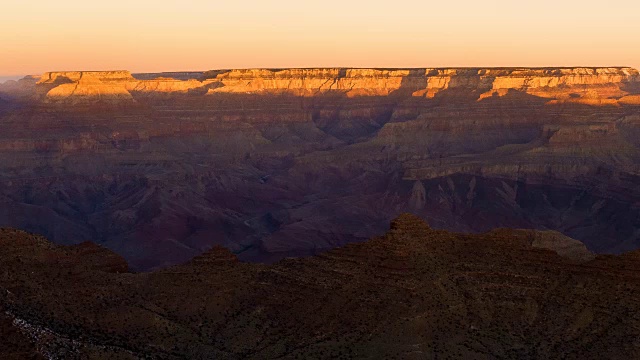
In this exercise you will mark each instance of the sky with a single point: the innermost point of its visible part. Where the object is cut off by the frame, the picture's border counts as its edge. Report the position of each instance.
(153, 36)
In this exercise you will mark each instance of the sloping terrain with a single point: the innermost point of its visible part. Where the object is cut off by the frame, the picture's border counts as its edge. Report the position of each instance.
(415, 292)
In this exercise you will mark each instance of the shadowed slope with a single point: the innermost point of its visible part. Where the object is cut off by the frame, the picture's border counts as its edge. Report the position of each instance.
(413, 293)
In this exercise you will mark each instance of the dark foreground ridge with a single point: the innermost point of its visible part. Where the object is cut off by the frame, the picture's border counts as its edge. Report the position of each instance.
(414, 293)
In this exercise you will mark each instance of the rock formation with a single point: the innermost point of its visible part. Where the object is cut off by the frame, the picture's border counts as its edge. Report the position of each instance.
(113, 87)
(291, 162)
(593, 86)
(413, 293)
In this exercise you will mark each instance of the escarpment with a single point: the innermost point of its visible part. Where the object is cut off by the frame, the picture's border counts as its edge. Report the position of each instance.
(578, 85)
(421, 82)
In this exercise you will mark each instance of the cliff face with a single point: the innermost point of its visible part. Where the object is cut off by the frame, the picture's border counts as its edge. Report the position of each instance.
(418, 82)
(87, 87)
(111, 87)
(277, 163)
(582, 85)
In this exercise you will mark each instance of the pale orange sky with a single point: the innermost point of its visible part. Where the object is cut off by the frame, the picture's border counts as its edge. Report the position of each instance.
(174, 35)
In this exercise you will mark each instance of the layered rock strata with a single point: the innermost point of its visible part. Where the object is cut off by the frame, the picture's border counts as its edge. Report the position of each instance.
(561, 85)
(292, 162)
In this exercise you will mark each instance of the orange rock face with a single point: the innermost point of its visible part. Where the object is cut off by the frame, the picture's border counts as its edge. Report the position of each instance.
(605, 84)
(86, 87)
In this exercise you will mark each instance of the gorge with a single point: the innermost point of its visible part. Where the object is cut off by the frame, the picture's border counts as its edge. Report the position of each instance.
(275, 163)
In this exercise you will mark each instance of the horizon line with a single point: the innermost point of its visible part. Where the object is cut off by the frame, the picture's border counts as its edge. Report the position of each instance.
(333, 67)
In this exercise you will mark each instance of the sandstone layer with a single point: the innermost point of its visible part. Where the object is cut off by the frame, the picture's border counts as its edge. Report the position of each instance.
(596, 86)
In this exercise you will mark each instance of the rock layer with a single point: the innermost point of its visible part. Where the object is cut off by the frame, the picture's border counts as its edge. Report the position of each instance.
(604, 85)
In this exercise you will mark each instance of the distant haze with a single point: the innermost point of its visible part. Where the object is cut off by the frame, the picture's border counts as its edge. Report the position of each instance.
(7, 78)
(174, 35)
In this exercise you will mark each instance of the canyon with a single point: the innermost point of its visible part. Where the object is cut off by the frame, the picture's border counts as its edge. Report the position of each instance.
(278, 163)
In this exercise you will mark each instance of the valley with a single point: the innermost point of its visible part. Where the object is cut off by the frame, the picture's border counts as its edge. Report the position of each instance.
(284, 163)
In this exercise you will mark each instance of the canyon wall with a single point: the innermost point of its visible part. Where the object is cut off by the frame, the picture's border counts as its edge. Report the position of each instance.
(571, 84)
(290, 162)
